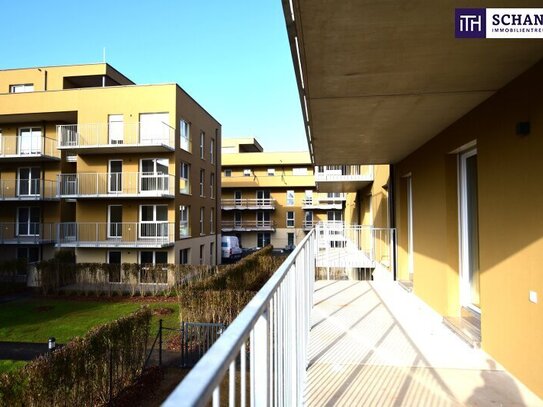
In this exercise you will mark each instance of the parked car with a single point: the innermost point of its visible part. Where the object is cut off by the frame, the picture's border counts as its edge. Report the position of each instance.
(230, 248)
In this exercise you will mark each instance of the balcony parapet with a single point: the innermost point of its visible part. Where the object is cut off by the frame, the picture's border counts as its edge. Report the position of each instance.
(27, 233)
(28, 190)
(249, 203)
(248, 226)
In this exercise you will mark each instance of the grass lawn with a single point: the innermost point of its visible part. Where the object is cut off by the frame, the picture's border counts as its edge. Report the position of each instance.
(9, 365)
(36, 319)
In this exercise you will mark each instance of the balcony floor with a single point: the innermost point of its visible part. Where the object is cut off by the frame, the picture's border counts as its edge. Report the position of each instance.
(374, 344)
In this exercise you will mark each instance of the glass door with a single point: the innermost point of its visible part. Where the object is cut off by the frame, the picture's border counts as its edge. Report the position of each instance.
(154, 175)
(115, 219)
(28, 221)
(262, 197)
(116, 128)
(29, 141)
(469, 231)
(115, 180)
(28, 182)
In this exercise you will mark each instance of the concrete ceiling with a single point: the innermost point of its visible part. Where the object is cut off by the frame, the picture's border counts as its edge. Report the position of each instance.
(382, 77)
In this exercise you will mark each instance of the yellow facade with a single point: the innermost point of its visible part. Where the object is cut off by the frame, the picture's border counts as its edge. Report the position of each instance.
(104, 141)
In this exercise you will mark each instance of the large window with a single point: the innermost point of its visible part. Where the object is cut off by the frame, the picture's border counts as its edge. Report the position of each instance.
(30, 140)
(114, 261)
(184, 178)
(154, 174)
(153, 257)
(28, 221)
(290, 219)
(184, 256)
(263, 239)
(184, 132)
(184, 221)
(263, 197)
(154, 128)
(262, 219)
(28, 181)
(153, 221)
(290, 198)
(21, 88)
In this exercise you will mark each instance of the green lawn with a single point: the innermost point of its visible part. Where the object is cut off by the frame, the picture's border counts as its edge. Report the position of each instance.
(9, 365)
(35, 320)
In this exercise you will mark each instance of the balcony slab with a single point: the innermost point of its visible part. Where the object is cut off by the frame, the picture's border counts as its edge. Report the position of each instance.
(374, 344)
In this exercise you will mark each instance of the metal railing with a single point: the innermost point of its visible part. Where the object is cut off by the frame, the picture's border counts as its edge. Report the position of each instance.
(108, 135)
(116, 234)
(26, 232)
(28, 146)
(275, 326)
(316, 203)
(247, 225)
(344, 173)
(116, 184)
(27, 189)
(248, 203)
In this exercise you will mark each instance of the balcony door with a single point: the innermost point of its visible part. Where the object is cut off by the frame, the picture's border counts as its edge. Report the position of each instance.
(238, 220)
(29, 141)
(115, 176)
(116, 128)
(308, 219)
(262, 219)
(469, 231)
(114, 221)
(154, 175)
(153, 221)
(28, 181)
(154, 128)
(262, 197)
(28, 221)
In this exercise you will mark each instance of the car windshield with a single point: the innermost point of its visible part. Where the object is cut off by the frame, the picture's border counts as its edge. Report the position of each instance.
(224, 244)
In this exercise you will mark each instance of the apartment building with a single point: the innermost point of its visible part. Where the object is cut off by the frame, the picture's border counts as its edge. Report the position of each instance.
(390, 83)
(277, 197)
(117, 172)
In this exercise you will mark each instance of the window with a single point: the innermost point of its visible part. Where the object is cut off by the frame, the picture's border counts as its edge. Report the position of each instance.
(21, 88)
(212, 151)
(154, 128)
(154, 175)
(184, 178)
(246, 172)
(114, 261)
(28, 181)
(116, 128)
(115, 180)
(290, 239)
(290, 219)
(263, 197)
(184, 256)
(30, 254)
(114, 221)
(263, 219)
(184, 132)
(271, 172)
(308, 200)
(202, 177)
(290, 198)
(212, 185)
(227, 173)
(308, 219)
(212, 221)
(29, 141)
(263, 239)
(299, 171)
(238, 196)
(238, 221)
(202, 221)
(153, 257)
(153, 221)
(184, 221)
(28, 221)
(202, 248)
(334, 216)
(202, 144)
(212, 253)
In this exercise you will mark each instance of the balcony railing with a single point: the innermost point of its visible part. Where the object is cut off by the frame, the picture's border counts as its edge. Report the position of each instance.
(108, 185)
(309, 224)
(248, 225)
(248, 203)
(275, 325)
(122, 135)
(344, 173)
(313, 203)
(28, 147)
(26, 233)
(116, 234)
(27, 190)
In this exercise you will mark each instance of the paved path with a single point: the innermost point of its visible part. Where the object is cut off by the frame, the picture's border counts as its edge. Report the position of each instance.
(373, 344)
(22, 350)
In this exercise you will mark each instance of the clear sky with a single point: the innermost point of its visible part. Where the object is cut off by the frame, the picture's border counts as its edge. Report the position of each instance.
(232, 56)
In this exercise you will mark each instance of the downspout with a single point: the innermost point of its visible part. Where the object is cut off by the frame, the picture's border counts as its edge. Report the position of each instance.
(392, 215)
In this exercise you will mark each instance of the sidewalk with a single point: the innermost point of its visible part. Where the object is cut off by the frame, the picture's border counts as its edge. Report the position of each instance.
(373, 344)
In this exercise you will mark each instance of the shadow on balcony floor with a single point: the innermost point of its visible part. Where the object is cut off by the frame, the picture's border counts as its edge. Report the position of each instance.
(373, 344)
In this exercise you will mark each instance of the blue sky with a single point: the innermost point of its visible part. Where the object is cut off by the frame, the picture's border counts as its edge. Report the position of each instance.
(232, 56)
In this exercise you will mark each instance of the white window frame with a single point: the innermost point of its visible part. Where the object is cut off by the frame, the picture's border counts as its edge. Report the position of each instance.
(212, 185)
(154, 221)
(34, 184)
(115, 127)
(110, 178)
(184, 218)
(21, 88)
(298, 171)
(184, 136)
(291, 197)
(202, 144)
(29, 222)
(271, 172)
(202, 182)
(246, 172)
(293, 220)
(109, 224)
(212, 151)
(184, 173)
(35, 141)
(160, 178)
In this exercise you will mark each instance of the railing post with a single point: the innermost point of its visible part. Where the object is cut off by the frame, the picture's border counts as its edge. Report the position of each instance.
(260, 361)
(160, 343)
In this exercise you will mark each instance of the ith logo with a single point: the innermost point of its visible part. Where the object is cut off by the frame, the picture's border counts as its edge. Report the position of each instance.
(470, 23)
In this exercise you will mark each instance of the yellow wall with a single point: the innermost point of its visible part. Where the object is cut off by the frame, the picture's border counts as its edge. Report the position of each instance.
(510, 223)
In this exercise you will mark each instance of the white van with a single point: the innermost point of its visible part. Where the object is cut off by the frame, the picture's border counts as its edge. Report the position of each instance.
(230, 248)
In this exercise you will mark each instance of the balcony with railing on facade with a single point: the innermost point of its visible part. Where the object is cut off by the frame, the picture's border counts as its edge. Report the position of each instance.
(343, 178)
(316, 203)
(28, 190)
(228, 204)
(261, 179)
(31, 147)
(27, 233)
(116, 185)
(119, 137)
(116, 234)
(309, 224)
(248, 226)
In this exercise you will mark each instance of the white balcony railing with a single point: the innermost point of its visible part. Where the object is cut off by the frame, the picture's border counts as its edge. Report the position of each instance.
(34, 146)
(73, 136)
(116, 234)
(248, 225)
(247, 203)
(27, 190)
(120, 184)
(343, 173)
(313, 203)
(275, 325)
(26, 233)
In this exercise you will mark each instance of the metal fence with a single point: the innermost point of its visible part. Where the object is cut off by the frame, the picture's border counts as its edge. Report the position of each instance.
(196, 339)
(275, 324)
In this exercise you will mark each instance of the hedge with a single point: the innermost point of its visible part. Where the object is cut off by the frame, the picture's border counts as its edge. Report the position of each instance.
(78, 374)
